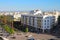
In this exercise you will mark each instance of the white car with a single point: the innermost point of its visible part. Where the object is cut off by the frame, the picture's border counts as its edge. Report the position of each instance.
(3, 38)
(31, 38)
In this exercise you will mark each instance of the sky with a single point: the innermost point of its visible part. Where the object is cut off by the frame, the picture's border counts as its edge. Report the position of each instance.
(22, 5)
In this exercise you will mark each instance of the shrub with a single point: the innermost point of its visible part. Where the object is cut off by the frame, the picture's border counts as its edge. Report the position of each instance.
(26, 30)
(8, 29)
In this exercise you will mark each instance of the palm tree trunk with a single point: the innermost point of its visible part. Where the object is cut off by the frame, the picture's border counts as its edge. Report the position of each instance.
(12, 24)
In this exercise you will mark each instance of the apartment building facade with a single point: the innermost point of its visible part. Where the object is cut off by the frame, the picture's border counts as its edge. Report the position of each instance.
(39, 20)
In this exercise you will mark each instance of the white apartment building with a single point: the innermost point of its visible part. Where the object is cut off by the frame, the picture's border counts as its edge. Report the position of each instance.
(39, 19)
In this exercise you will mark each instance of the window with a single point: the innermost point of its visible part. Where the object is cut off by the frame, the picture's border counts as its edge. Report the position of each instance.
(45, 23)
(47, 17)
(47, 26)
(53, 16)
(45, 20)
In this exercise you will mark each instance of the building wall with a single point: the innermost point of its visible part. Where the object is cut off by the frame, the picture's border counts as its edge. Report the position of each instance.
(40, 20)
(44, 22)
(48, 22)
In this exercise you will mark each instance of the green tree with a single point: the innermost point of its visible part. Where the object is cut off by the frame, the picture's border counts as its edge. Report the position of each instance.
(58, 19)
(3, 19)
(10, 20)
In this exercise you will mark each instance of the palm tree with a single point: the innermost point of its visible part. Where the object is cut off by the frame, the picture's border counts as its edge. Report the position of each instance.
(7, 20)
(10, 20)
(1, 18)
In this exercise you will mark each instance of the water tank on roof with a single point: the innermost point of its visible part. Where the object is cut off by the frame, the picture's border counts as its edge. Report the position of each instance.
(37, 12)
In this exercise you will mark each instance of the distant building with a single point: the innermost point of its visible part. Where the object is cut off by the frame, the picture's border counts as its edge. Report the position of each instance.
(16, 15)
